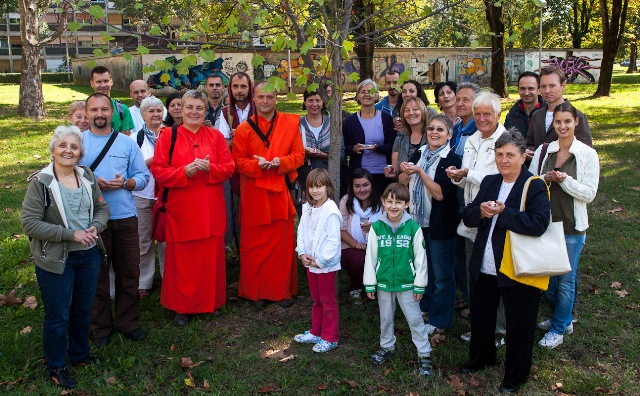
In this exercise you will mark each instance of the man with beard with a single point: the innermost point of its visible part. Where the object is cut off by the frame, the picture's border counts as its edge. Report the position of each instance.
(519, 116)
(101, 82)
(119, 167)
(214, 88)
(388, 104)
(267, 150)
(139, 91)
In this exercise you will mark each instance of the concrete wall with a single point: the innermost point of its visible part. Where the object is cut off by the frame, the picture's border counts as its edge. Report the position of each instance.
(427, 65)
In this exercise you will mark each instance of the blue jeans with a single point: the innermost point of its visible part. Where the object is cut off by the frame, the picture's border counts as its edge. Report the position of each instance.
(67, 300)
(440, 294)
(562, 288)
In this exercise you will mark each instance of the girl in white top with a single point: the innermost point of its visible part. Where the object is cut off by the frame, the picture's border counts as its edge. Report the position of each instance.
(318, 247)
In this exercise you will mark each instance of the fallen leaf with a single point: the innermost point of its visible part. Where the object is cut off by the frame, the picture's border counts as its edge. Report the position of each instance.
(66, 392)
(26, 330)
(413, 394)
(635, 188)
(206, 385)
(267, 389)
(387, 371)
(607, 391)
(615, 210)
(630, 306)
(616, 285)
(189, 381)
(454, 382)
(148, 387)
(9, 299)
(286, 359)
(385, 389)
(111, 380)
(438, 339)
(322, 387)
(172, 348)
(593, 290)
(351, 383)
(474, 382)
(8, 210)
(556, 386)
(622, 293)
(274, 354)
(30, 302)
(186, 362)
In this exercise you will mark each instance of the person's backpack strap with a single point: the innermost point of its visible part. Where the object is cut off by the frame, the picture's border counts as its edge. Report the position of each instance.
(174, 136)
(119, 109)
(104, 151)
(140, 138)
(543, 152)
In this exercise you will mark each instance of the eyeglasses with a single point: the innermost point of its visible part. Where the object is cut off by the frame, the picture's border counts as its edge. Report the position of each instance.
(439, 129)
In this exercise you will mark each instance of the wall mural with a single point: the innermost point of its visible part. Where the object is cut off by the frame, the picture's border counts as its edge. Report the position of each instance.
(573, 66)
(197, 75)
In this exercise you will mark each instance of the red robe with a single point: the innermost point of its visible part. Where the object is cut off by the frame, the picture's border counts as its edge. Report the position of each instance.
(267, 242)
(194, 279)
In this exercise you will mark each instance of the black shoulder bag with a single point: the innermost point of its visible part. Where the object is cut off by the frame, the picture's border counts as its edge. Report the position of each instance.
(104, 151)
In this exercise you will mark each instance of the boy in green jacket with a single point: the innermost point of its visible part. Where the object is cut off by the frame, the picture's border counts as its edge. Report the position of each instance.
(396, 266)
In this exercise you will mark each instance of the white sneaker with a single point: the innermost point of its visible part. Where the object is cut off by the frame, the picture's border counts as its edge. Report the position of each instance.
(431, 329)
(551, 340)
(466, 337)
(307, 338)
(356, 296)
(546, 325)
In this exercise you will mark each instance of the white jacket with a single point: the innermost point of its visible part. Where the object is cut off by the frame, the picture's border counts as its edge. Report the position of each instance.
(584, 187)
(480, 158)
(326, 242)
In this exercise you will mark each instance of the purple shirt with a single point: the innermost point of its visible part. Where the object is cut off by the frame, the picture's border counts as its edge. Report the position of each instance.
(373, 161)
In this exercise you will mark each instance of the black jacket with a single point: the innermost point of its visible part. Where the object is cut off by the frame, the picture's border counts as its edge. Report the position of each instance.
(353, 133)
(519, 119)
(445, 214)
(533, 221)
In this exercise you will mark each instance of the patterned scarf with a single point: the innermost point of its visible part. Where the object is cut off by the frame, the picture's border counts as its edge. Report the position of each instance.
(427, 160)
(150, 135)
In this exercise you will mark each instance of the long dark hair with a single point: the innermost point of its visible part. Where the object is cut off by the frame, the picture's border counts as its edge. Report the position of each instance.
(374, 198)
(169, 121)
(421, 94)
(565, 107)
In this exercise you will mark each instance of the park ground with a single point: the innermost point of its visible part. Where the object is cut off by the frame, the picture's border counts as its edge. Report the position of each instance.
(247, 352)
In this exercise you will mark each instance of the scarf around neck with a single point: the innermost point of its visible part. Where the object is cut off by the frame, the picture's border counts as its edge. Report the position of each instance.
(358, 213)
(150, 135)
(427, 160)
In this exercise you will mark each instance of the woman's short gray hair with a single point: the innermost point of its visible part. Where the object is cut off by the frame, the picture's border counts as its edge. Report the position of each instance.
(151, 101)
(487, 99)
(512, 136)
(63, 131)
(192, 93)
(362, 85)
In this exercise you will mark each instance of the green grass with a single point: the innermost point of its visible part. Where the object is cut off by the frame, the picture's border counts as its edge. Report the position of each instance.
(601, 356)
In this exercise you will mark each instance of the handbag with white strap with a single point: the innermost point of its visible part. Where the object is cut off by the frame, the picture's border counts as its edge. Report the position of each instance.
(545, 255)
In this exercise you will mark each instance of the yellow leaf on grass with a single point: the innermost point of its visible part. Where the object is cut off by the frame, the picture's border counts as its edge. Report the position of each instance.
(206, 385)
(188, 382)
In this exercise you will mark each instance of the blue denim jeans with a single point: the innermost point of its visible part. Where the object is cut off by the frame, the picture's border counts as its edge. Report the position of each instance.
(67, 300)
(562, 288)
(440, 294)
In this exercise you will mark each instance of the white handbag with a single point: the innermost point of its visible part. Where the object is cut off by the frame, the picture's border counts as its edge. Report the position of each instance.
(545, 255)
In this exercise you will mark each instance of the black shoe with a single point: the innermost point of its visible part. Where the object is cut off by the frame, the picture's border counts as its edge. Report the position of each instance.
(259, 304)
(424, 366)
(62, 378)
(101, 342)
(381, 356)
(181, 320)
(286, 303)
(86, 362)
(508, 388)
(466, 369)
(136, 335)
(217, 313)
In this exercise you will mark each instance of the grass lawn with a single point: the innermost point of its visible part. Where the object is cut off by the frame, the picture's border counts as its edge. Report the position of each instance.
(242, 351)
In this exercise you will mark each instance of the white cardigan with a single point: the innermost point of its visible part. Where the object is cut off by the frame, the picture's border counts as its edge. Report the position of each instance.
(584, 187)
(326, 242)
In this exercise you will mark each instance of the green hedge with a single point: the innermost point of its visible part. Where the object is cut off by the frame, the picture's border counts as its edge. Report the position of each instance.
(49, 77)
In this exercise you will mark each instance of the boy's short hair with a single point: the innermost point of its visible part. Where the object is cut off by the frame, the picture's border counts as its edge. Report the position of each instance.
(317, 178)
(398, 190)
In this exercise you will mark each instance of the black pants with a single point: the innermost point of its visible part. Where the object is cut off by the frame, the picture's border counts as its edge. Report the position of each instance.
(521, 311)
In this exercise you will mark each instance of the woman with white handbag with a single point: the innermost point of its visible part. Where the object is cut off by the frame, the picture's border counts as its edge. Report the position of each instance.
(572, 171)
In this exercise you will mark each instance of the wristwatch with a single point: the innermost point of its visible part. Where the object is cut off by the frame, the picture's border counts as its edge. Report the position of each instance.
(125, 183)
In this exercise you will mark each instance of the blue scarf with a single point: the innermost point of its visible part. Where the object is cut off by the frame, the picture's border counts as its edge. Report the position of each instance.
(150, 135)
(427, 160)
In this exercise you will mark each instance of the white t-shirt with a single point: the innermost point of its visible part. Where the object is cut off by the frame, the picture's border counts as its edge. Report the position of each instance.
(548, 120)
(147, 152)
(488, 260)
(223, 126)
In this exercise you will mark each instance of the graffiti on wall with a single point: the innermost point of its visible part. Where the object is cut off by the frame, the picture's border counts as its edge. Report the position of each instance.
(472, 68)
(573, 66)
(196, 76)
(515, 66)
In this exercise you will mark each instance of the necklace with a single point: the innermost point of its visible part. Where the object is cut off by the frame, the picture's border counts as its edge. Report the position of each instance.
(74, 174)
(195, 145)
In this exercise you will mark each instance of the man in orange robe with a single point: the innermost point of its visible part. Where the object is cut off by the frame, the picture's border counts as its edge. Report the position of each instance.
(265, 154)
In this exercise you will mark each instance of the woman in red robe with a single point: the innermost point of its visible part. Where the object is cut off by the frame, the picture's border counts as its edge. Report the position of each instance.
(194, 278)
(267, 257)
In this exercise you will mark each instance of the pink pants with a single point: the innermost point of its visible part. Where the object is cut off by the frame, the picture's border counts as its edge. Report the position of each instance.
(324, 314)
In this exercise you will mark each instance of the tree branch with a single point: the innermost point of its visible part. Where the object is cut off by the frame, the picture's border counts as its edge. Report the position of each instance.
(380, 11)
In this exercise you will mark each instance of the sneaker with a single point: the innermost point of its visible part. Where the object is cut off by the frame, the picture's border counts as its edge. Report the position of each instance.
(466, 337)
(551, 340)
(86, 362)
(324, 346)
(135, 335)
(424, 366)
(181, 320)
(381, 356)
(101, 342)
(546, 326)
(431, 329)
(62, 378)
(356, 296)
(307, 338)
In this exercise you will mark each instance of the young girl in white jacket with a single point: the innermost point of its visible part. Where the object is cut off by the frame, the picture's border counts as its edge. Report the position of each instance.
(318, 247)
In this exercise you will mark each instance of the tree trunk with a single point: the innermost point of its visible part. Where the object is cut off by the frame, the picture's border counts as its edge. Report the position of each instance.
(613, 21)
(495, 18)
(335, 142)
(633, 68)
(364, 47)
(31, 102)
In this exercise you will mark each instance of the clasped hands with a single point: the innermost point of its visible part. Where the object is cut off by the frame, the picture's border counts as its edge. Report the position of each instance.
(113, 184)
(264, 164)
(197, 165)
(554, 177)
(456, 174)
(309, 261)
(86, 237)
(491, 208)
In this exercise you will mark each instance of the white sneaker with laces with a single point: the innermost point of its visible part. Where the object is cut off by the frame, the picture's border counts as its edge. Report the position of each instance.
(307, 338)
(546, 325)
(551, 340)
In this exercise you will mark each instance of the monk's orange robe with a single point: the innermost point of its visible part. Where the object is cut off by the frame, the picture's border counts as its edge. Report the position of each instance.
(267, 242)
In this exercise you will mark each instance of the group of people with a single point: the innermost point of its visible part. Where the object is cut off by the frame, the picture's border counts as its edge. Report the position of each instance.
(429, 199)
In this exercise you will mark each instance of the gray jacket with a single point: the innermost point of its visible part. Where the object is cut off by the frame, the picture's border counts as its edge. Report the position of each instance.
(44, 221)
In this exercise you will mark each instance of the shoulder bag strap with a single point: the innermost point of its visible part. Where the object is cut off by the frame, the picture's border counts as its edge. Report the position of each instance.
(119, 109)
(543, 152)
(256, 128)
(140, 138)
(174, 136)
(525, 191)
(104, 151)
